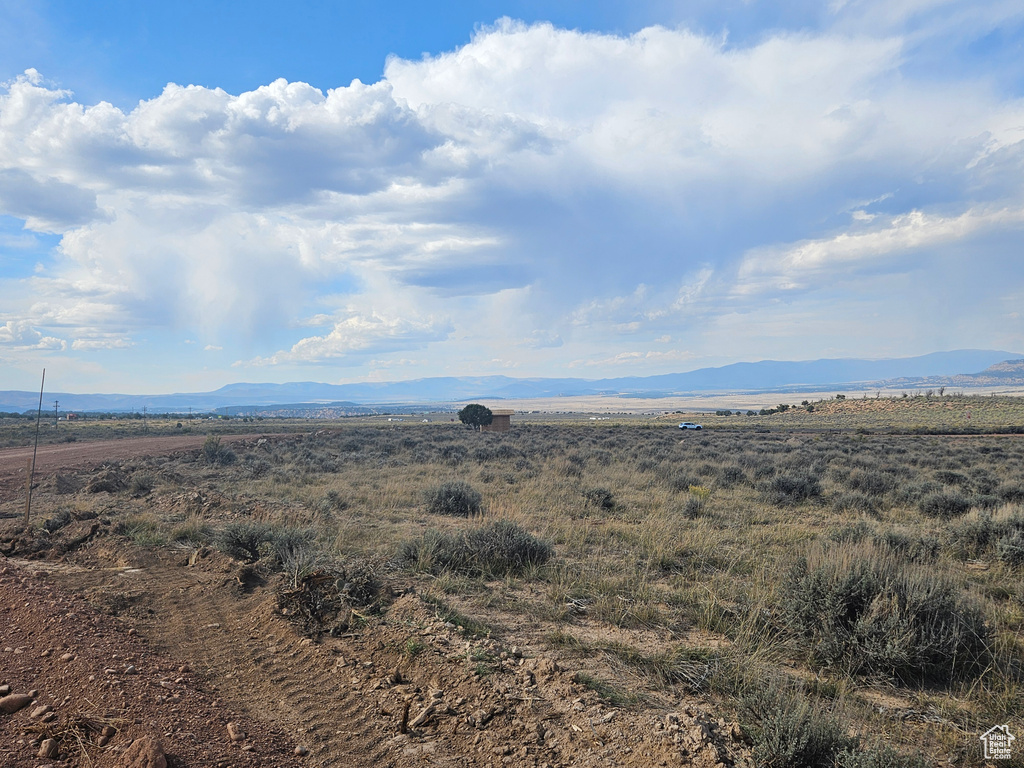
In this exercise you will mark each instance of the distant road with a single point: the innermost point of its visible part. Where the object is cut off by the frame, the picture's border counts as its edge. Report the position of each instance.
(61, 456)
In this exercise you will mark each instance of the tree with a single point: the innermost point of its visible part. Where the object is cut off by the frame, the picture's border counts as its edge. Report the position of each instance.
(476, 415)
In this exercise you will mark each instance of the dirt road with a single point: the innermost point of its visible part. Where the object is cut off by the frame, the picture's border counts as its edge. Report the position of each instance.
(54, 458)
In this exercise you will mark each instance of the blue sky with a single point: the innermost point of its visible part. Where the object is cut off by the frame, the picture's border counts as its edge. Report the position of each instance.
(197, 193)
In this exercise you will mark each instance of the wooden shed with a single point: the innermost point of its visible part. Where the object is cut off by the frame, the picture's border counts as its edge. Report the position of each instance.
(501, 421)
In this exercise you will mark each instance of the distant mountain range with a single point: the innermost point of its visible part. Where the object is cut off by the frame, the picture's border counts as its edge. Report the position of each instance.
(937, 369)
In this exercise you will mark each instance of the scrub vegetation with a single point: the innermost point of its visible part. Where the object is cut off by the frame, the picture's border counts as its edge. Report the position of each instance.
(851, 598)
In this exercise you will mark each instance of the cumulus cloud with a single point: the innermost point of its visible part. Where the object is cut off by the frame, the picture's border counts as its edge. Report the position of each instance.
(20, 335)
(361, 336)
(803, 264)
(537, 187)
(47, 205)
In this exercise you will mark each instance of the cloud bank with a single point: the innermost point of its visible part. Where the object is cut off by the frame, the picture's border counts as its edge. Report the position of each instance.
(540, 197)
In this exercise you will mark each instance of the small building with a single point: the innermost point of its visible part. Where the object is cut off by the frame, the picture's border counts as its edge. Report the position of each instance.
(501, 421)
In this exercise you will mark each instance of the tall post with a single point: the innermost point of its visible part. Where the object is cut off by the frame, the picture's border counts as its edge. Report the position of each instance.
(55, 404)
(28, 490)
(32, 469)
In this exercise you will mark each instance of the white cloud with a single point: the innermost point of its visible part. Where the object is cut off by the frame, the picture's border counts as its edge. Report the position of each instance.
(797, 266)
(20, 335)
(538, 189)
(102, 341)
(361, 335)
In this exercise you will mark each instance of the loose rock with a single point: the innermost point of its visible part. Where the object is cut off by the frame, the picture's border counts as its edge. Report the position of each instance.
(14, 702)
(144, 753)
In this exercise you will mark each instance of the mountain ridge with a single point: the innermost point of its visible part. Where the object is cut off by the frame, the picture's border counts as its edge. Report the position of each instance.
(935, 369)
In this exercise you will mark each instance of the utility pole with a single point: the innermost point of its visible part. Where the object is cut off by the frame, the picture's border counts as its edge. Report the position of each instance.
(35, 448)
(55, 404)
(145, 424)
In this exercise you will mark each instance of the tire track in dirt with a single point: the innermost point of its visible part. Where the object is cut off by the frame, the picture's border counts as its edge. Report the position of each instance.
(330, 712)
(260, 667)
(398, 691)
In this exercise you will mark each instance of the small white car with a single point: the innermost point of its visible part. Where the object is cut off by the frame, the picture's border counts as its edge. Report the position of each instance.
(690, 425)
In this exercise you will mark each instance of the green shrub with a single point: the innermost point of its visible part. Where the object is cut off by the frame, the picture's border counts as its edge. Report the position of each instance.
(695, 507)
(1011, 492)
(456, 498)
(494, 549)
(793, 488)
(731, 476)
(912, 493)
(882, 757)
(683, 481)
(256, 466)
(454, 455)
(858, 503)
(980, 533)
(503, 547)
(949, 477)
(288, 542)
(862, 611)
(601, 497)
(944, 505)
(871, 482)
(244, 539)
(141, 484)
(856, 532)
(790, 731)
(916, 549)
(145, 530)
(1010, 549)
(215, 453)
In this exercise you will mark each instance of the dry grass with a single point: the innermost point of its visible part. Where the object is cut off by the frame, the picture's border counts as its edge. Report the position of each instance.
(675, 575)
(920, 413)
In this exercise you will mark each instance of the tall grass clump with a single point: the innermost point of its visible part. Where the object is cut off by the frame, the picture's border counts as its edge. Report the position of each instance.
(862, 610)
(455, 497)
(495, 549)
